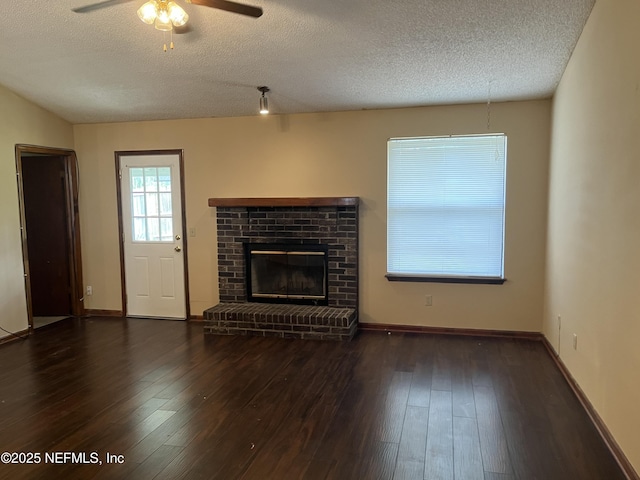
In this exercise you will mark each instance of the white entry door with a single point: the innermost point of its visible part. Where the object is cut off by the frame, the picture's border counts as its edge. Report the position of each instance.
(152, 229)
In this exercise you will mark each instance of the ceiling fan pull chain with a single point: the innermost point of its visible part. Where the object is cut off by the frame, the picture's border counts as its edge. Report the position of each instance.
(164, 48)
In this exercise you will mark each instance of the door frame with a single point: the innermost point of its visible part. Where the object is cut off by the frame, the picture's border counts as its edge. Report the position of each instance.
(183, 221)
(74, 252)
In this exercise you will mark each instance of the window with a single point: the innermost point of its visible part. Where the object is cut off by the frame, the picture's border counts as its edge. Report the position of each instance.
(151, 204)
(445, 208)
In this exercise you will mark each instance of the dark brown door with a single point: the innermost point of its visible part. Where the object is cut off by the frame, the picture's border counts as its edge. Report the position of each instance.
(45, 205)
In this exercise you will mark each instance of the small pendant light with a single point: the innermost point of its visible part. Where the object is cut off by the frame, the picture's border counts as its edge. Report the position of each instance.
(264, 103)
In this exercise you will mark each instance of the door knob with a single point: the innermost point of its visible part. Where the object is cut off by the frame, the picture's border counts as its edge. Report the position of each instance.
(178, 237)
(178, 248)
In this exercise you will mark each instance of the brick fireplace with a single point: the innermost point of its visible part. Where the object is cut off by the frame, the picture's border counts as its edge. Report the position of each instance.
(299, 226)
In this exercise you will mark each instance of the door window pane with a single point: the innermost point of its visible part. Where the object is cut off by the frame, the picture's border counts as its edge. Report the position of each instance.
(150, 200)
(152, 205)
(165, 204)
(151, 179)
(139, 230)
(137, 180)
(153, 229)
(166, 229)
(164, 179)
(138, 205)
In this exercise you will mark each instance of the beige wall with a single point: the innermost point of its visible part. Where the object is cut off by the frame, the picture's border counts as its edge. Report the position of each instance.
(593, 265)
(332, 154)
(20, 122)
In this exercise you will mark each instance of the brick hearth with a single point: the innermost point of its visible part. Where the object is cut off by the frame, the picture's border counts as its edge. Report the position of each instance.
(285, 321)
(330, 221)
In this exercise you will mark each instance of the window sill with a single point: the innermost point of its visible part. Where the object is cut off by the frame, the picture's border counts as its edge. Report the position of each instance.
(395, 277)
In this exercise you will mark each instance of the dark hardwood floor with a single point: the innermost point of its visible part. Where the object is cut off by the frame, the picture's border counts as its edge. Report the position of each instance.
(177, 405)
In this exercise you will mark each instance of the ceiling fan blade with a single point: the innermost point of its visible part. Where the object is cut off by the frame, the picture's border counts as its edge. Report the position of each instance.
(98, 5)
(227, 6)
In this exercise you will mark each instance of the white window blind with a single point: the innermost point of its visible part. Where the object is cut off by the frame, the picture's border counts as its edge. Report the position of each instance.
(445, 206)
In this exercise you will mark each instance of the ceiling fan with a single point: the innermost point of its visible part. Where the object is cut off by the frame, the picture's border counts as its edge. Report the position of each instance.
(225, 5)
(166, 14)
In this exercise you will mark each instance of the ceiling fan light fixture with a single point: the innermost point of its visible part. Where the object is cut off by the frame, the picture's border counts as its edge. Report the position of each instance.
(177, 14)
(264, 102)
(163, 21)
(148, 12)
(166, 14)
(164, 26)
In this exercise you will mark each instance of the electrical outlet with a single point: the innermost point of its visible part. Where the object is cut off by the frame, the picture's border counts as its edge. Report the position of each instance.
(428, 301)
(89, 290)
(575, 341)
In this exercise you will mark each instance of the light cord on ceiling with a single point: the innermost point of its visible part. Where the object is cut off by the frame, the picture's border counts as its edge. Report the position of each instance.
(497, 152)
(489, 107)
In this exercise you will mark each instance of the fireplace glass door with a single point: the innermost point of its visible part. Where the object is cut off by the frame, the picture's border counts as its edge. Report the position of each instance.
(287, 274)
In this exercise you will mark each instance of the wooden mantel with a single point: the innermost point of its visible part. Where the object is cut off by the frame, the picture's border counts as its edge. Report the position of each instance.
(285, 202)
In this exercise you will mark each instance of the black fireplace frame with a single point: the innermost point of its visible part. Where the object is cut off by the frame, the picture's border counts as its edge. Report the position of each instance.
(286, 247)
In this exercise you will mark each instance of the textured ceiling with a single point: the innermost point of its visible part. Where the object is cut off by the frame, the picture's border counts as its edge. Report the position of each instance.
(315, 55)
